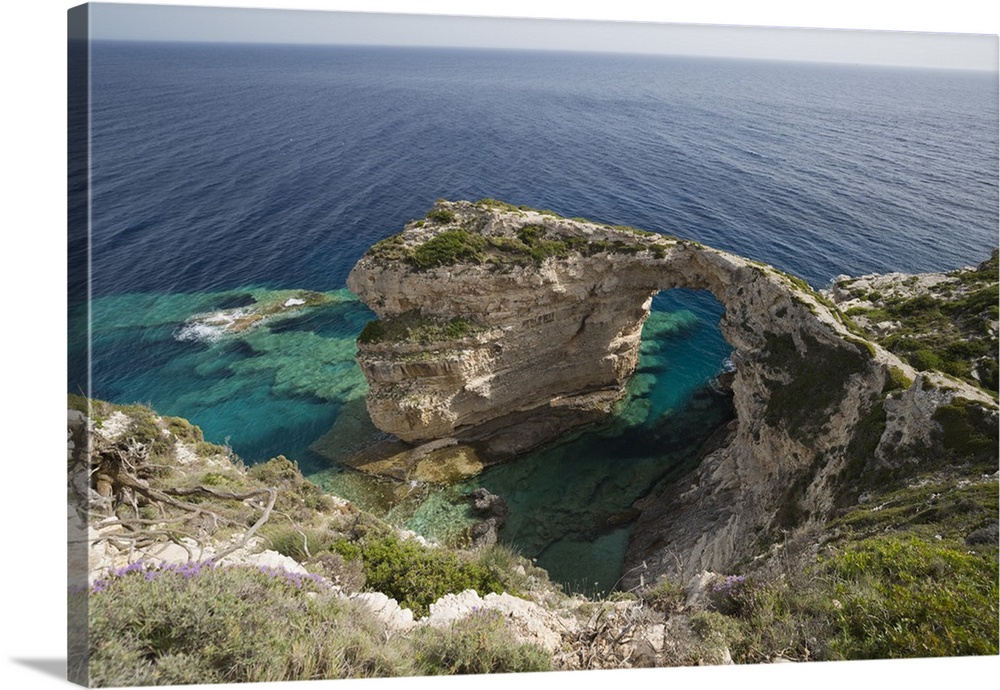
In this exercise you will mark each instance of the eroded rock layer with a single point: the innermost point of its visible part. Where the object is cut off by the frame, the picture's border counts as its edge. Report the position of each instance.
(504, 327)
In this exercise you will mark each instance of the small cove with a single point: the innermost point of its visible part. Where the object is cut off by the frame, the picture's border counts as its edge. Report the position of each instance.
(282, 387)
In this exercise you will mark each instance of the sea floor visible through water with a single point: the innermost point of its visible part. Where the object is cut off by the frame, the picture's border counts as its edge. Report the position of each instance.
(291, 386)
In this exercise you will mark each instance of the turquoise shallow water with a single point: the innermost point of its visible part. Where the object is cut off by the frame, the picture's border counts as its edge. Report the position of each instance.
(569, 501)
(282, 386)
(268, 391)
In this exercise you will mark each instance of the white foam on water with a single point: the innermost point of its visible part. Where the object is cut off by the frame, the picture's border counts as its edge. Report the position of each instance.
(199, 331)
(209, 327)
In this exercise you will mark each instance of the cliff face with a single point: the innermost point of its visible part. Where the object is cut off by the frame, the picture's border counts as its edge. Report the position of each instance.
(503, 327)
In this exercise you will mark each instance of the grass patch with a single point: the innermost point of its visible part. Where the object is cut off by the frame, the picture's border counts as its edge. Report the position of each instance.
(298, 543)
(900, 596)
(894, 594)
(929, 511)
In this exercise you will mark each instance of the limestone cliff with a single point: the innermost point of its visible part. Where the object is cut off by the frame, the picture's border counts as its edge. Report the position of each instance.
(503, 327)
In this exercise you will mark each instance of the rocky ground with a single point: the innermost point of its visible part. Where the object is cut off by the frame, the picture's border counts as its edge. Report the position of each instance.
(145, 469)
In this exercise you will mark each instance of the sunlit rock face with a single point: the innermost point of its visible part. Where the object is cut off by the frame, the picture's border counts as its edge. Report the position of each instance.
(503, 327)
(516, 320)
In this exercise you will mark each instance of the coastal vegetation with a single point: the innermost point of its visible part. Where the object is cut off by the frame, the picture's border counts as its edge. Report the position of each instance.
(531, 244)
(948, 325)
(816, 381)
(214, 624)
(154, 622)
(907, 569)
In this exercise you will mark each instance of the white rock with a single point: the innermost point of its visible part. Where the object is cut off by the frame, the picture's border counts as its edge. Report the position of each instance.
(267, 559)
(386, 610)
(528, 621)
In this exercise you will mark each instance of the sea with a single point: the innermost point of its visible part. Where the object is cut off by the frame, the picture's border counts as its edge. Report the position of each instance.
(227, 173)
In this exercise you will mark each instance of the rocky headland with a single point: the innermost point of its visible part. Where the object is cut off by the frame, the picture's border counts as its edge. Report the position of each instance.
(501, 327)
(848, 511)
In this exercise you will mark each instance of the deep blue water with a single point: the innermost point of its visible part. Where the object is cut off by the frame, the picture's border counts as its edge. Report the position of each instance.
(222, 172)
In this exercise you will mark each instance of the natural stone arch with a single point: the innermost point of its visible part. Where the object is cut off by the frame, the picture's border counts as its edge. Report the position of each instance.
(502, 327)
(515, 336)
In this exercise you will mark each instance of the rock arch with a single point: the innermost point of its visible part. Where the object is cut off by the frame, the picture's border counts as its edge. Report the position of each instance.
(518, 335)
(502, 327)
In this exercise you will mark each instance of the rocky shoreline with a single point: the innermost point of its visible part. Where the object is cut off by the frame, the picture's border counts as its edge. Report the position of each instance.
(852, 464)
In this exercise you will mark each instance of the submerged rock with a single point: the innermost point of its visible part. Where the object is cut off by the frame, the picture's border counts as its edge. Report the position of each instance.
(488, 504)
(235, 320)
(495, 510)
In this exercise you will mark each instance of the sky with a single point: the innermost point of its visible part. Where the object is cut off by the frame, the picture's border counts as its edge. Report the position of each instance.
(258, 24)
(33, 265)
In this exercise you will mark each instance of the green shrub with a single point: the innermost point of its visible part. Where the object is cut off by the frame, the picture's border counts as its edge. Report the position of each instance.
(412, 327)
(925, 359)
(895, 380)
(817, 382)
(277, 471)
(447, 249)
(78, 403)
(441, 215)
(184, 430)
(513, 571)
(968, 431)
(414, 575)
(858, 474)
(714, 628)
(666, 595)
(498, 205)
(298, 498)
(774, 618)
(373, 332)
(392, 248)
(478, 643)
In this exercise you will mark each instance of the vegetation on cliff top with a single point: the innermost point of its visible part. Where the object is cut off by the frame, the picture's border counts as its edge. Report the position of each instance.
(949, 326)
(204, 624)
(532, 243)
